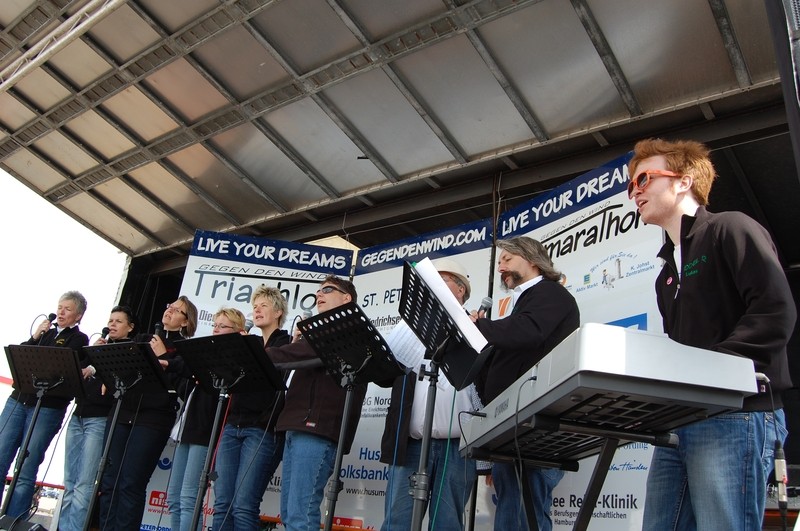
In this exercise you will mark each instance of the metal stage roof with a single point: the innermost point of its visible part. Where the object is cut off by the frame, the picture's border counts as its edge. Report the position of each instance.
(374, 119)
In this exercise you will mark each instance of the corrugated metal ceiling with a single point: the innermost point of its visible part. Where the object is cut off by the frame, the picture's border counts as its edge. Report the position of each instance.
(377, 119)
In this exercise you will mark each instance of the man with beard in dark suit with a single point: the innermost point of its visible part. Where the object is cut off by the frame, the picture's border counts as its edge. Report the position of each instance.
(544, 313)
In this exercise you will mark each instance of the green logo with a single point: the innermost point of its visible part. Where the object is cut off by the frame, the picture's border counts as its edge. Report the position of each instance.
(692, 267)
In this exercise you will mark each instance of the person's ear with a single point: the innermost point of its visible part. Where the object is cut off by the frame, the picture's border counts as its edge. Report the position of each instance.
(685, 183)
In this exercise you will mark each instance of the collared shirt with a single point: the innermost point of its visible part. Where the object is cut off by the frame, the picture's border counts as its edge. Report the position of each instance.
(445, 413)
(59, 329)
(519, 290)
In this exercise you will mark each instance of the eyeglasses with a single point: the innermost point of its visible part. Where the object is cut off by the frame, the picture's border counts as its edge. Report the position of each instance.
(219, 326)
(454, 280)
(643, 179)
(176, 309)
(330, 289)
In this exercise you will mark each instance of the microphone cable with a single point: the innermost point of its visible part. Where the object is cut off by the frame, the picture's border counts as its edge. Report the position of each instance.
(180, 420)
(272, 417)
(51, 317)
(30, 328)
(53, 453)
(778, 458)
(35, 505)
(121, 461)
(390, 483)
(212, 470)
(432, 518)
(10, 416)
(519, 471)
(255, 454)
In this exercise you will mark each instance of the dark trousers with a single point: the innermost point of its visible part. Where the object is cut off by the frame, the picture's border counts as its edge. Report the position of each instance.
(133, 456)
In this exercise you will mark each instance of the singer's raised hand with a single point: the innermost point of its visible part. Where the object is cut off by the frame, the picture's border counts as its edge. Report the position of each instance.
(296, 335)
(158, 347)
(100, 341)
(43, 327)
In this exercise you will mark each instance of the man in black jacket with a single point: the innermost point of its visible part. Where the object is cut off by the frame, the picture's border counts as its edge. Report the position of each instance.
(721, 288)
(19, 408)
(311, 418)
(544, 313)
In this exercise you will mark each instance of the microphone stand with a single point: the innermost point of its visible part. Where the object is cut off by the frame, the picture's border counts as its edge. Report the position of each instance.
(41, 389)
(419, 482)
(335, 484)
(120, 388)
(206, 476)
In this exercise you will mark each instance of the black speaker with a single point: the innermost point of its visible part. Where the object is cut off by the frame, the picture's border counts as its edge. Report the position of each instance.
(12, 524)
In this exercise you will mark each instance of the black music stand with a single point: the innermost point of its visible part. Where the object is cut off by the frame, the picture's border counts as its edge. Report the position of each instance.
(427, 317)
(123, 368)
(353, 352)
(40, 371)
(438, 332)
(223, 364)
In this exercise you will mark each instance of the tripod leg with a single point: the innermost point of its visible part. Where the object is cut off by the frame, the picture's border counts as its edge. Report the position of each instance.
(205, 477)
(335, 484)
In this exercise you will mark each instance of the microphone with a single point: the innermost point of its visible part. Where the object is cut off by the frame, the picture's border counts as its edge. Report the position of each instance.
(248, 324)
(486, 305)
(159, 330)
(52, 319)
(781, 477)
(298, 318)
(105, 332)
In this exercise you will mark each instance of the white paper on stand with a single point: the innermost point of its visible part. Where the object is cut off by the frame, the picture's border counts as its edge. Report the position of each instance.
(410, 351)
(430, 275)
(405, 346)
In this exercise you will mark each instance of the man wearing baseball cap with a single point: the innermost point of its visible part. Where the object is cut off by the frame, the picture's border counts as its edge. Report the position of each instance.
(450, 475)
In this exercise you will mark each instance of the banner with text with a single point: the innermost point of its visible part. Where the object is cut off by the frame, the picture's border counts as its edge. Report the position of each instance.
(225, 270)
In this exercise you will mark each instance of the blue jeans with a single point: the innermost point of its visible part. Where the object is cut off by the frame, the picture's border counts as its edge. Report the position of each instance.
(510, 512)
(246, 460)
(84, 447)
(14, 422)
(307, 464)
(132, 457)
(450, 478)
(184, 485)
(716, 478)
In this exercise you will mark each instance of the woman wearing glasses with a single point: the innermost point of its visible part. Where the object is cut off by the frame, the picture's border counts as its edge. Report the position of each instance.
(143, 425)
(192, 433)
(249, 448)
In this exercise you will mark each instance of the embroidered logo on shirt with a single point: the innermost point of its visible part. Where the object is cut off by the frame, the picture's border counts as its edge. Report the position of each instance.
(692, 267)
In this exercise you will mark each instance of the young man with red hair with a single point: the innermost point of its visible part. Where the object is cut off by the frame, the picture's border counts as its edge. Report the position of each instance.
(721, 288)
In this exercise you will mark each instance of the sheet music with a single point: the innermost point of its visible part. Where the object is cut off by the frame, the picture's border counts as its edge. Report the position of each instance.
(430, 275)
(410, 351)
(405, 345)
